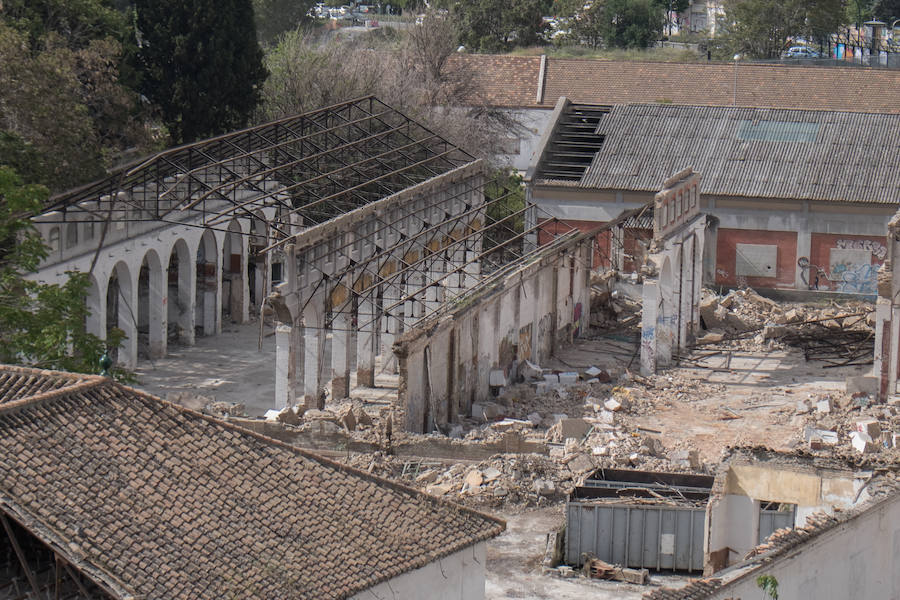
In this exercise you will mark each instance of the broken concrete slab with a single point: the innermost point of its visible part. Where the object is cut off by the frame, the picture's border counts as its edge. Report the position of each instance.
(870, 427)
(686, 458)
(529, 371)
(497, 378)
(861, 442)
(573, 428)
(535, 419)
(347, 418)
(427, 477)
(490, 474)
(544, 487)
(580, 463)
(825, 405)
(487, 411)
(439, 489)
(612, 405)
(569, 378)
(474, 479)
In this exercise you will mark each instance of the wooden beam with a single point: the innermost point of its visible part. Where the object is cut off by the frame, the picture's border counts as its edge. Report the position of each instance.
(21, 555)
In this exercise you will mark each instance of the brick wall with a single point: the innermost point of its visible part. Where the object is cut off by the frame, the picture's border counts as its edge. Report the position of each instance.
(727, 259)
(845, 263)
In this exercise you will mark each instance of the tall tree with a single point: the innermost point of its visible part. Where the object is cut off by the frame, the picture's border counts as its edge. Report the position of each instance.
(200, 63)
(621, 23)
(275, 17)
(764, 28)
(40, 325)
(499, 25)
(887, 10)
(77, 22)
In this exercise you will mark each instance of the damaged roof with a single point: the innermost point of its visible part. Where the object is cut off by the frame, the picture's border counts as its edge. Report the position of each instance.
(746, 152)
(152, 500)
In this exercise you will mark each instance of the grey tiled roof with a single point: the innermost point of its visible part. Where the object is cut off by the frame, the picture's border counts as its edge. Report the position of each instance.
(155, 501)
(757, 153)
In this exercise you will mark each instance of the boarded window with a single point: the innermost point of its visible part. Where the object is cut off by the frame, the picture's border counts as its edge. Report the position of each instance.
(756, 260)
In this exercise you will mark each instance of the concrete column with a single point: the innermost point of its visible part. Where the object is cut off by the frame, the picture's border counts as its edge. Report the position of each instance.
(96, 319)
(128, 303)
(159, 312)
(341, 355)
(367, 326)
(313, 353)
(283, 358)
(187, 299)
(217, 298)
(243, 304)
(650, 314)
(390, 326)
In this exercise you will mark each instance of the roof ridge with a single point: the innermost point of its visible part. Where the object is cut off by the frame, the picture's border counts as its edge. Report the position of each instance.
(79, 383)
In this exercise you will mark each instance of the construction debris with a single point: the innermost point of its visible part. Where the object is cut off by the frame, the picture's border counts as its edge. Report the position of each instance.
(594, 568)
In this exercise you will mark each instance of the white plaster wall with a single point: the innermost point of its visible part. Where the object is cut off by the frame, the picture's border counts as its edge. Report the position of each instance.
(459, 576)
(857, 559)
(532, 124)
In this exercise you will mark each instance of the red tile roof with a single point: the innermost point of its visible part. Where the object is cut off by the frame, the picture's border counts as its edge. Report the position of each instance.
(153, 500)
(511, 81)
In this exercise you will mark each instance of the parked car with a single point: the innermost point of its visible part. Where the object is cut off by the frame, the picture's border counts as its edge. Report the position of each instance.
(800, 52)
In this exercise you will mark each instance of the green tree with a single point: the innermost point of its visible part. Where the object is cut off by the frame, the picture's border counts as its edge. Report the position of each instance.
(499, 25)
(621, 23)
(275, 17)
(887, 10)
(41, 325)
(201, 64)
(75, 21)
(764, 28)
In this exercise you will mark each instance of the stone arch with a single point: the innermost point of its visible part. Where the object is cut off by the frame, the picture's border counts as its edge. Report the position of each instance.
(71, 235)
(53, 240)
(121, 307)
(207, 285)
(152, 296)
(181, 291)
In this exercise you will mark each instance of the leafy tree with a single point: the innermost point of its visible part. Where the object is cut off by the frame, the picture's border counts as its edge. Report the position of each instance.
(621, 23)
(887, 10)
(504, 219)
(75, 21)
(499, 25)
(200, 63)
(275, 17)
(764, 28)
(41, 325)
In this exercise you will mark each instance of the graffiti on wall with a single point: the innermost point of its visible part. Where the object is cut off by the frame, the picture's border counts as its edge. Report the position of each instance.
(855, 278)
(846, 274)
(877, 249)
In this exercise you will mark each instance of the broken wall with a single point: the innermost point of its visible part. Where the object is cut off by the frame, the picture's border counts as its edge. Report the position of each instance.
(446, 363)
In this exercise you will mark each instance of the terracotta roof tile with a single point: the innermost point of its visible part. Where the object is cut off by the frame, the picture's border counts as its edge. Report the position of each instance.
(511, 81)
(158, 501)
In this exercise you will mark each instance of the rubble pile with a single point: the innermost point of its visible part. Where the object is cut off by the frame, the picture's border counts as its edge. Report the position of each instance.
(610, 309)
(849, 425)
(840, 334)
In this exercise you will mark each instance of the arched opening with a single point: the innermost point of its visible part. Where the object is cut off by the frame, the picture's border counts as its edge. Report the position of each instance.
(207, 284)
(120, 314)
(180, 297)
(232, 274)
(53, 240)
(152, 301)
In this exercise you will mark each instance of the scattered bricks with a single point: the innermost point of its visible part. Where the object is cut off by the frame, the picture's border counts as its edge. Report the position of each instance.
(869, 427)
(863, 384)
(861, 442)
(362, 417)
(825, 405)
(792, 316)
(612, 405)
(686, 458)
(497, 378)
(712, 337)
(573, 428)
(774, 331)
(568, 378)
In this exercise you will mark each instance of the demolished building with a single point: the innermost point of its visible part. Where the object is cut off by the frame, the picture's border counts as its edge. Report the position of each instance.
(107, 492)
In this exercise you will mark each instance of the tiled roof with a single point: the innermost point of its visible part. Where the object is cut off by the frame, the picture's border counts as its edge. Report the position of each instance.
(512, 81)
(758, 153)
(155, 501)
(701, 588)
(19, 383)
(498, 80)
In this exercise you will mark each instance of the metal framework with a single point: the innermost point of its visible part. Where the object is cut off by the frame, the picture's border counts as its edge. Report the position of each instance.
(316, 165)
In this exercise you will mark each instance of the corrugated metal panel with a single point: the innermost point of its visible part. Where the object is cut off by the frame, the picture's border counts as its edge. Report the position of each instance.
(638, 536)
(772, 520)
(795, 154)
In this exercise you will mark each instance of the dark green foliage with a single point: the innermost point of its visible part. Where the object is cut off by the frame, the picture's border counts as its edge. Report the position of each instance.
(200, 64)
(504, 219)
(274, 17)
(765, 28)
(499, 25)
(887, 10)
(621, 23)
(75, 21)
(40, 325)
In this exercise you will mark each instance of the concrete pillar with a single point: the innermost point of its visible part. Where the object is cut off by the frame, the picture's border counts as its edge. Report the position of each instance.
(650, 314)
(243, 291)
(313, 352)
(283, 357)
(128, 303)
(390, 325)
(96, 320)
(341, 354)
(187, 299)
(367, 326)
(158, 298)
